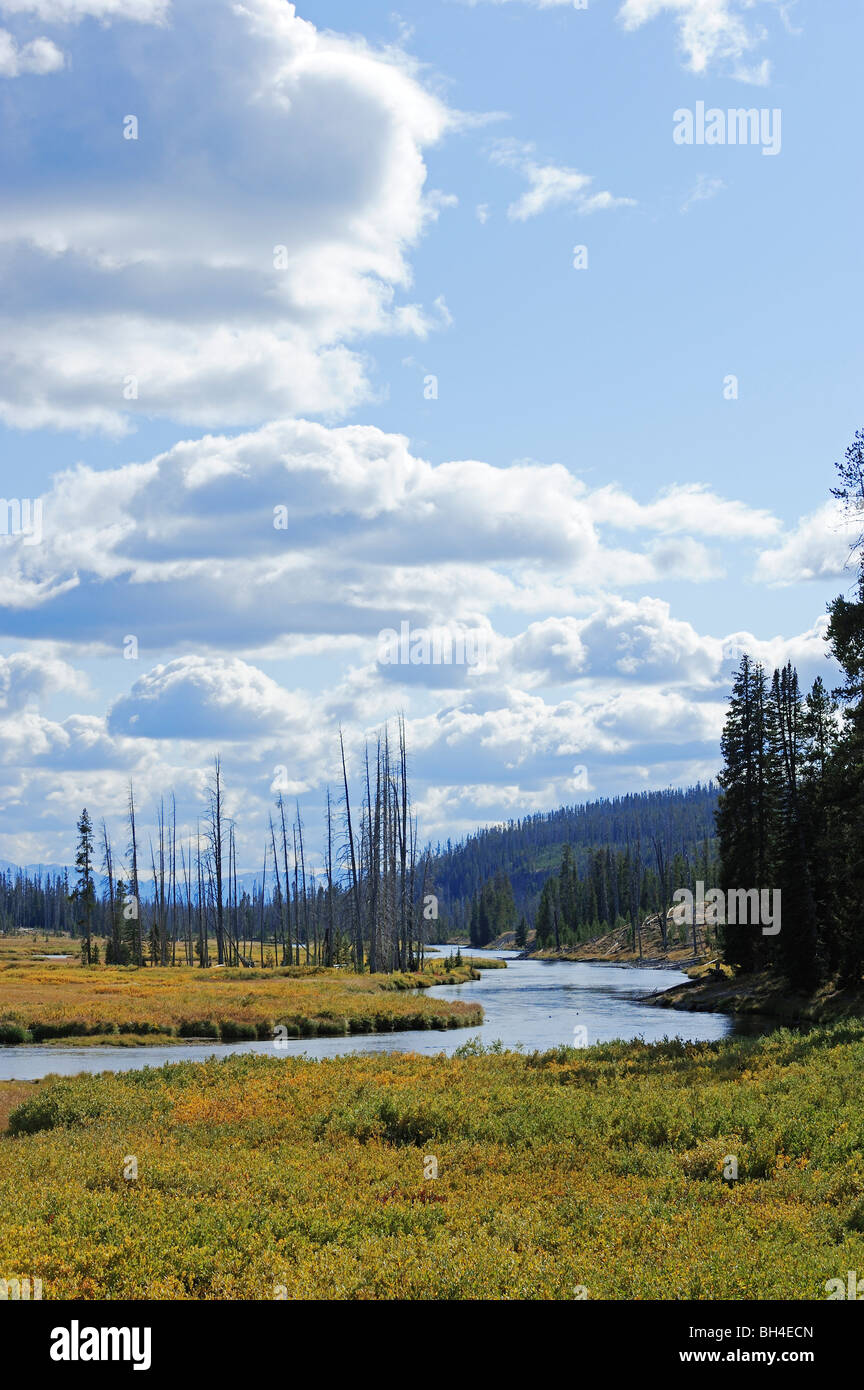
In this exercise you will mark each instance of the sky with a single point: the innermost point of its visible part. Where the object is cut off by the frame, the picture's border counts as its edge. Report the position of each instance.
(325, 323)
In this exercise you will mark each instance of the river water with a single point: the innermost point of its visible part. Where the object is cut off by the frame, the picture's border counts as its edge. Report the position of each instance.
(535, 1004)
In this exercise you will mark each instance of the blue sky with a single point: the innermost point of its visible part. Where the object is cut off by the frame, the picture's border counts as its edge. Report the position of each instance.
(577, 490)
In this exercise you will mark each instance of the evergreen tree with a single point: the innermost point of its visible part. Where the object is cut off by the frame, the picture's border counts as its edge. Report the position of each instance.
(798, 934)
(845, 775)
(120, 945)
(747, 804)
(547, 914)
(84, 894)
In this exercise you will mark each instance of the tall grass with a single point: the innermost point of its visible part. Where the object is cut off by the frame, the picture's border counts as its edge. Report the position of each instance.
(47, 1000)
(601, 1168)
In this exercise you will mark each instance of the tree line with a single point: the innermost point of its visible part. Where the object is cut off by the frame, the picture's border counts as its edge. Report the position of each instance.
(369, 907)
(791, 810)
(529, 851)
(654, 843)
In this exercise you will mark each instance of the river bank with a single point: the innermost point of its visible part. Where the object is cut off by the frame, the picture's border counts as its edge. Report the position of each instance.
(760, 994)
(48, 1000)
(529, 1005)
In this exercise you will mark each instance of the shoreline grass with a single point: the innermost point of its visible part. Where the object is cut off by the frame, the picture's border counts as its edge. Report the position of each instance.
(48, 1001)
(599, 1167)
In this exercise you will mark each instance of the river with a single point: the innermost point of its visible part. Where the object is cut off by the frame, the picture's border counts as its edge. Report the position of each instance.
(535, 1004)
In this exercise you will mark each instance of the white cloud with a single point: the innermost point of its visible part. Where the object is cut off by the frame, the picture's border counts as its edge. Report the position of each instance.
(757, 74)
(183, 549)
(71, 11)
(550, 185)
(818, 548)
(806, 650)
(225, 266)
(260, 641)
(39, 56)
(702, 191)
(708, 31)
(27, 676)
(214, 698)
(644, 703)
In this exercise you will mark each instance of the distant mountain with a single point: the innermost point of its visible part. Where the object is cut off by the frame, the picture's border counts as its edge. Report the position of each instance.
(38, 873)
(34, 871)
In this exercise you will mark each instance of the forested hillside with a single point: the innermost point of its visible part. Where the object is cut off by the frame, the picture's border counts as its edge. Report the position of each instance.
(650, 832)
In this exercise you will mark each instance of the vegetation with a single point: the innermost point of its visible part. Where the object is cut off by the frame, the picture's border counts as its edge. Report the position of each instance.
(42, 1000)
(373, 915)
(598, 836)
(601, 1169)
(493, 911)
(791, 814)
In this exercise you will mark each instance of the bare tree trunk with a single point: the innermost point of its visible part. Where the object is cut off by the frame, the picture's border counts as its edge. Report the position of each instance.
(287, 882)
(403, 846)
(203, 944)
(330, 937)
(138, 943)
(216, 840)
(278, 894)
(303, 883)
(263, 891)
(173, 883)
(661, 858)
(359, 962)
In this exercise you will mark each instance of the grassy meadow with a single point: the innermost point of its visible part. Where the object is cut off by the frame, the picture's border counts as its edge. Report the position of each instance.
(597, 1170)
(47, 1000)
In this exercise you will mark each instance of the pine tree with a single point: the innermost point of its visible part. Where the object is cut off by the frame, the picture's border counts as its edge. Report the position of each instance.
(547, 914)
(845, 776)
(120, 947)
(84, 894)
(474, 930)
(798, 935)
(745, 813)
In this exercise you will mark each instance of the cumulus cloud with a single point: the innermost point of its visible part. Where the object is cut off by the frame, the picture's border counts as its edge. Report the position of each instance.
(222, 266)
(817, 548)
(297, 528)
(257, 572)
(692, 507)
(39, 56)
(214, 699)
(25, 677)
(626, 697)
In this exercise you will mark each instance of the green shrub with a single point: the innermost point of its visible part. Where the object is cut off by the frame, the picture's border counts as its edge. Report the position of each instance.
(197, 1028)
(11, 1033)
(232, 1030)
(42, 1032)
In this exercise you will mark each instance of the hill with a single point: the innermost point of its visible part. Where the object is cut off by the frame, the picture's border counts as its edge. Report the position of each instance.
(530, 850)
